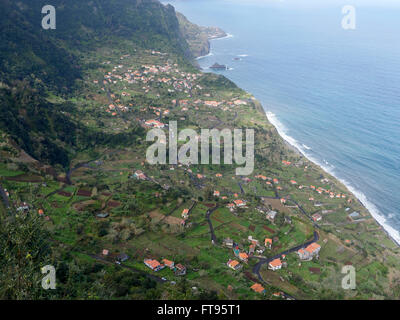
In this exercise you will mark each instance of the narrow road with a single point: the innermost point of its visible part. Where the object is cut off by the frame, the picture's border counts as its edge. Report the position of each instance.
(241, 188)
(208, 217)
(151, 276)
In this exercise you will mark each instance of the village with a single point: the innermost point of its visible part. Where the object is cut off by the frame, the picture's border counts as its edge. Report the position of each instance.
(273, 234)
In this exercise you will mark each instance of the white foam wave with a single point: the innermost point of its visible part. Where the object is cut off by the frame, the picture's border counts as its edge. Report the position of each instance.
(207, 55)
(228, 36)
(243, 55)
(306, 147)
(376, 214)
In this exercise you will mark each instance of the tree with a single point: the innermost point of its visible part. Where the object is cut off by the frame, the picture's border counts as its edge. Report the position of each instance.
(24, 251)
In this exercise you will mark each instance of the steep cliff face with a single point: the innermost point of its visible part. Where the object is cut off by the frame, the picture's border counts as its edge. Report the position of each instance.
(198, 37)
(51, 55)
(34, 62)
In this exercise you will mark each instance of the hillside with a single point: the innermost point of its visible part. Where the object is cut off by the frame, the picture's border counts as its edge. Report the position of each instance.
(37, 63)
(77, 191)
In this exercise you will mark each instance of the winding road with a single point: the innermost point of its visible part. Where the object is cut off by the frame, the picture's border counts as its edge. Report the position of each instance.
(208, 217)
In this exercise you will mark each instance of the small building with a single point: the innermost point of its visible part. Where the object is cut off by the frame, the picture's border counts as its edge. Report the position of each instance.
(153, 264)
(258, 288)
(316, 217)
(216, 193)
(185, 213)
(309, 252)
(252, 248)
(268, 243)
(275, 264)
(23, 207)
(243, 256)
(122, 257)
(271, 215)
(239, 203)
(168, 263)
(102, 215)
(354, 214)
(139, 175)
(234, 264)
(228, 243)
(180, 270)
(252, 240)
(154, 124)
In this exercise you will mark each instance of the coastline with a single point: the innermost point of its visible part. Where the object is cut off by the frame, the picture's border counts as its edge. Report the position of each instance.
(302, 149)
(209, 54)
(392, 233)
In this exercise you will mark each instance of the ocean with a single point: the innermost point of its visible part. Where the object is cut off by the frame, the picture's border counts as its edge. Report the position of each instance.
(332, 93)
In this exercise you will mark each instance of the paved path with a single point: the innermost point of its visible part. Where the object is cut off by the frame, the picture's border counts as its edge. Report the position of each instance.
(151, 276)
(208, 217)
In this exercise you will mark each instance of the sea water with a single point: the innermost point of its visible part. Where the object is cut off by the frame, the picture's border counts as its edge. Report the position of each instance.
(332, 93)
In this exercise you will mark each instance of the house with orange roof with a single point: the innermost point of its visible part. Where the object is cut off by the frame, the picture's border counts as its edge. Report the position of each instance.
(218, 175)
(185, 213)
(216, 193)
(275, 264)
(309, 252)
(153, 264)
(154, 123)
(230, 205)
(252, 248)
(258, 288)
(243, 256)
(239, 203)
(268, 243)
(234, 265)
(168, 263)
(316, 217)
(293, 182)
(261, 177)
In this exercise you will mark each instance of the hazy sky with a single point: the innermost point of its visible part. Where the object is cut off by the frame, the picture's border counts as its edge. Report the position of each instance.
(378, 3)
